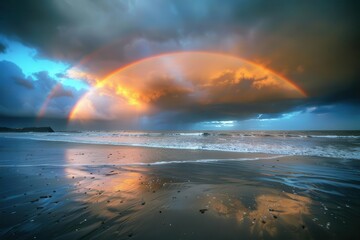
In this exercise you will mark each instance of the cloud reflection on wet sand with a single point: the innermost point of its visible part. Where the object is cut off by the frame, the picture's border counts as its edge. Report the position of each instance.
(86, 198)
(268, 213)
(142, 192)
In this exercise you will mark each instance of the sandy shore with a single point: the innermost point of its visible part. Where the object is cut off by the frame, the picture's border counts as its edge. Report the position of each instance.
(54, 190)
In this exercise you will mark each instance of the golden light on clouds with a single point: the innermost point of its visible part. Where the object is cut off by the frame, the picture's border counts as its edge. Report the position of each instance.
(180, 80)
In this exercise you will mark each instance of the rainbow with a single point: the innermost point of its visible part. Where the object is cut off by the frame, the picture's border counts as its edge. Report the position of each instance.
(48, 98)
(127, 66)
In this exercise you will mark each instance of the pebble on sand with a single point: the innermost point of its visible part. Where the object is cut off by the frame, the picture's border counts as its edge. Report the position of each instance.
(202, 211)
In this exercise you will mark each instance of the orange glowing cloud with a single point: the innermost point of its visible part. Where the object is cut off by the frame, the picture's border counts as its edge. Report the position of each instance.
(179, 80)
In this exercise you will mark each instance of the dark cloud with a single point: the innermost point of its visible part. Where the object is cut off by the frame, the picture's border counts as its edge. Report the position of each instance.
(317, 36)
(24, 82)
(21, 96)
(238, 111)
(313, 43)
(61, 75)
(62, 92)
(2, 48)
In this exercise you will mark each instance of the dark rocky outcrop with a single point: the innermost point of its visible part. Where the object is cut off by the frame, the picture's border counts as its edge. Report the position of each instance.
(28, 129)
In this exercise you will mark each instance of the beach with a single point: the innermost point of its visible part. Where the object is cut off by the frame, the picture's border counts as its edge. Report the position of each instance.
(88, 190)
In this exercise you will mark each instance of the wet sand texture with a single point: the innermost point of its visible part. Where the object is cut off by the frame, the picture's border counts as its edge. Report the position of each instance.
(74, 191)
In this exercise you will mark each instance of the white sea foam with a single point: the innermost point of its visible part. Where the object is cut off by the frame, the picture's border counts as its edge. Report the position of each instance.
(335, 136)
(142, 163)
(212, 160)
(286, 143)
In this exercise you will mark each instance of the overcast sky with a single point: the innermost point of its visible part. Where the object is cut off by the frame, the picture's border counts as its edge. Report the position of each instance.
(53, 53)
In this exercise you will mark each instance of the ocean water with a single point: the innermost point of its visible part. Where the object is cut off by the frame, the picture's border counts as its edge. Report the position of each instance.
(335, 144)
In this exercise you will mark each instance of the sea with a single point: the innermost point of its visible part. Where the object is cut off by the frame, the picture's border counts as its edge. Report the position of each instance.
(334, 144)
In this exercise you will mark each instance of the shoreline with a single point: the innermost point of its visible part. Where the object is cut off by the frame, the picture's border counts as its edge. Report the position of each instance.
(217, 152)
(292, 197)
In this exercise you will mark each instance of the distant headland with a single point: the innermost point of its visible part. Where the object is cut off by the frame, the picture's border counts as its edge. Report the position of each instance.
(27, 129)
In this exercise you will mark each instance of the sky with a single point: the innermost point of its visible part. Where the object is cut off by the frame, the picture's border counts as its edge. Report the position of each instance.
(180, 64)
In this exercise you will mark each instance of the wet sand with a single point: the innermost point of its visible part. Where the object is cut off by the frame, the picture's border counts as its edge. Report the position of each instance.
(55, 190)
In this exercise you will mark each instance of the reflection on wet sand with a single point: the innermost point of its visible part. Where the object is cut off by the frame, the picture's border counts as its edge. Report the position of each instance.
(288, 209)
(117, 198)
(92, 192)
(269, 213)
(112, 191)
(127, 201)
(107, 155)
(114, 186)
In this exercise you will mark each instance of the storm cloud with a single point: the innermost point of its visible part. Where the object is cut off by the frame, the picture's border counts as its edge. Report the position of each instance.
(24, 96)
(312, 43)
(2, 47)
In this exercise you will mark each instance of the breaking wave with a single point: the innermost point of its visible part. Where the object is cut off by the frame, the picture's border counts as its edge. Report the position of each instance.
(336, 144)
